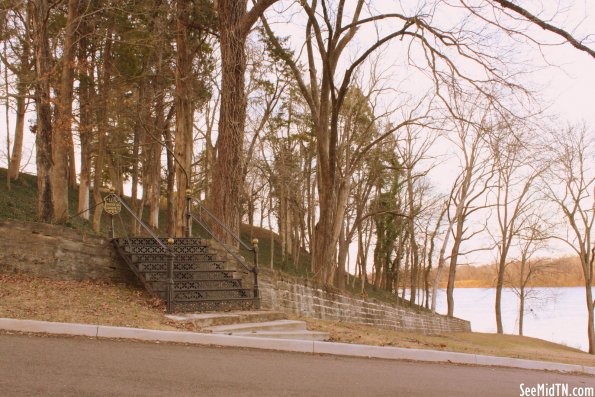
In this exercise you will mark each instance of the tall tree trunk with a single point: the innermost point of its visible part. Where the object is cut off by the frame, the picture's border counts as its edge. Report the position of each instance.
(19, 129)
(521, 309)
(412, 241)
(499, 286)
(587, 260)
(452, 269)
(7, 120)
(154, 163)
(184, 114)
(590, 326)
(138, 140)
(171, 176)
(71, 162)
(102, 123)
(232, 116)
(43, 139)
(62, 136)
(85, 123)
(234, 25)
(342, 259)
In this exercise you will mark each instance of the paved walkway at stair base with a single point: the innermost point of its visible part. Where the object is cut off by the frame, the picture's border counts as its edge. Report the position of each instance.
(256, 324)
(342, 349)
(202, 320)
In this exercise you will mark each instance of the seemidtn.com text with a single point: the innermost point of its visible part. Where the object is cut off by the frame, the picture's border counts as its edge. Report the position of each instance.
(556, 390)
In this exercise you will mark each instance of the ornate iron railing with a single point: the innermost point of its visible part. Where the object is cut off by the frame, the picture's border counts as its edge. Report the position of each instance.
(166, 248)
(206, 225)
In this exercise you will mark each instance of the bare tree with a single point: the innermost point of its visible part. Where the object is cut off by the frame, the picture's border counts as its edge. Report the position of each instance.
(413, 151)
(468, 194)
(327, 36)
(570, 184)
(505, 7)
(530, 239)
(17, 31)
(515, 194)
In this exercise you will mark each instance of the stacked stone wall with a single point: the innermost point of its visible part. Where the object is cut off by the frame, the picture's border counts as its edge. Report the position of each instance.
(295, 295)
(58, 252)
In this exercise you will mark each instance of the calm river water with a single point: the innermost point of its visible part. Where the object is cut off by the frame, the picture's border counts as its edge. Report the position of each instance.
(555, 314)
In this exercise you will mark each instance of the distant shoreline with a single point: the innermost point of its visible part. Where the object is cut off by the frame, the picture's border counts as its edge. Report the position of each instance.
(480, 284)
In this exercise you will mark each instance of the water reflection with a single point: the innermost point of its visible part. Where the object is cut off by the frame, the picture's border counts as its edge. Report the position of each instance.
(555, 314)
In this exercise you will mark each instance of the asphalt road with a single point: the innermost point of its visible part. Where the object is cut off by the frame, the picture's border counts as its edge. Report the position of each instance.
(76, 366)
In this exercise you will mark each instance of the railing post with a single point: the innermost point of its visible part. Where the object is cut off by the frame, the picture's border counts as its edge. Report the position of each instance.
(255, 272)
(170, 276)
(112, 231)
(188, 225)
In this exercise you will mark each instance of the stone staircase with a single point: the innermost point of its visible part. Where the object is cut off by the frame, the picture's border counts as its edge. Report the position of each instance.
(258, 324)
(278, 329)
(204, 279)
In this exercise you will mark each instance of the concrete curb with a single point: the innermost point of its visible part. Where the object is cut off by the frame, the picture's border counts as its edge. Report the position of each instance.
(339, 349)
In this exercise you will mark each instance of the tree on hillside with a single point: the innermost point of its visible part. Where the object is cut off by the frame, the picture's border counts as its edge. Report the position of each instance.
(570, 184)
(39, 11)
(531, 238)
(17, 58)
(327, 37)
(62, 132)
(474, 180)
(235, 23)
(413, 152)
(448, 55)
(184, 113)
(512, 154)
(104, 88)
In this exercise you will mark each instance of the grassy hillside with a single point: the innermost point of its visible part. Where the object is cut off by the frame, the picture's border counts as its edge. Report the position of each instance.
(20, 203)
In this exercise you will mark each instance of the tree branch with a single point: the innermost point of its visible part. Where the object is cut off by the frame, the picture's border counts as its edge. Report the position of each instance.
(546, 26)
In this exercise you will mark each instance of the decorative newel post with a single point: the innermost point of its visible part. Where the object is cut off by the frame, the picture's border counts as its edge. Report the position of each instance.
(112, 206)
(188, 225)
(255, 271)
(170, 276)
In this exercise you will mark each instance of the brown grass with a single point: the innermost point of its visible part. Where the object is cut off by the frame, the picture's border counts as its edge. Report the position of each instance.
(464, 342)
(97, 302)
(88, 302)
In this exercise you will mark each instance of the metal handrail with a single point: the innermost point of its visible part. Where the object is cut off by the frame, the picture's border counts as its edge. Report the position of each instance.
(145, 226)
(221, 224)
(254, 249)
(225, 247)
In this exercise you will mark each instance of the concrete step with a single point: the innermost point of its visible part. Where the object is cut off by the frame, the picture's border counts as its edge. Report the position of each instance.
(210, 305)
(202, 320)
(277, 325)
(299, 335)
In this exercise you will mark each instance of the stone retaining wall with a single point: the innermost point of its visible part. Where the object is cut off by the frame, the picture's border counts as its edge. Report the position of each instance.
(58, 252)
(299, 296)
(62, 253)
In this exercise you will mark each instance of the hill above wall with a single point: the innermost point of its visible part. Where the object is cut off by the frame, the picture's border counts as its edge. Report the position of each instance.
(19, 203)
